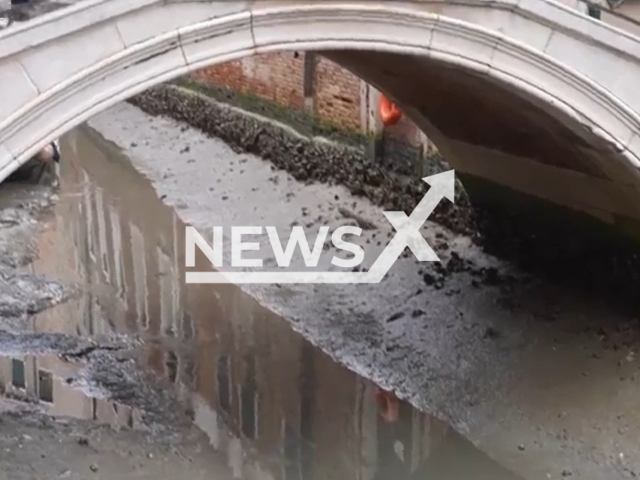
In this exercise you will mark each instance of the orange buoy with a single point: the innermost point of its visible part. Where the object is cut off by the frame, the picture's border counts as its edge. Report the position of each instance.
(389, 113)
(388, 405)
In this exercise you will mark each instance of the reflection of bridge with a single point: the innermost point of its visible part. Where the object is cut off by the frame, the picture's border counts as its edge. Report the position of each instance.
(529, 94)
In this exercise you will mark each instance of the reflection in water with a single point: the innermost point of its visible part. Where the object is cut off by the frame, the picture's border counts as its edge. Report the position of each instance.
(278, 407)
(43, 379)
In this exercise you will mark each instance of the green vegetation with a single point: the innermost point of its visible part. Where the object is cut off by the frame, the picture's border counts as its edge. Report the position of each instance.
(303, 122)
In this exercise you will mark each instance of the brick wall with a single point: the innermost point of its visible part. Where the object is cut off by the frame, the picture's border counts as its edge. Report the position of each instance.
(273, 76)
(337, 94)
(280, 78)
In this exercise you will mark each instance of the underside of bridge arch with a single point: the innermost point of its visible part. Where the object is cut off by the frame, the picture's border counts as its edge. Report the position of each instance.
(487, 129)
(535, 176)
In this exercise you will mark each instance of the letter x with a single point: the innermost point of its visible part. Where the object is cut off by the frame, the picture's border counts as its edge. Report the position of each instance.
(408, 235)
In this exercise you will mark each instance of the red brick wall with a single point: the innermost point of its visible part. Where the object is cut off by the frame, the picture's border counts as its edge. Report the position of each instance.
(274, 76)
(279, 77)
(337, 95)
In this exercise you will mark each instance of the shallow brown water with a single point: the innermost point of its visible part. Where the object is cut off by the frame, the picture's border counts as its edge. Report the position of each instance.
(276, 406)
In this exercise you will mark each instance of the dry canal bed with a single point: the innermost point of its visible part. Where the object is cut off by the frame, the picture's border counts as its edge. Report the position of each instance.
(138, 373)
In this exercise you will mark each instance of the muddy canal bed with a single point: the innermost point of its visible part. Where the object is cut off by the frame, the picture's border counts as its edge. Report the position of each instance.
(513, 377)
(127, 373)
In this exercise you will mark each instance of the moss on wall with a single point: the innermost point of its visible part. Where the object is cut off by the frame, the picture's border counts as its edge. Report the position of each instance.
(302, 121)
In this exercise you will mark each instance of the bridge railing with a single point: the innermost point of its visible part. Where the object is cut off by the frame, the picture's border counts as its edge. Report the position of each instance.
(623, 14)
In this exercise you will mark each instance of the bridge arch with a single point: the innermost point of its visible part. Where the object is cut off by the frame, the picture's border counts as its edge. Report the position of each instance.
(565, 126)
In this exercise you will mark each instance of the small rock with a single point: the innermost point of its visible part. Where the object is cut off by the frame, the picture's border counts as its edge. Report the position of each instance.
(93, 467)
(455, 263)
(395, 316)
(429, 279)
(491, 276)
(491, 332)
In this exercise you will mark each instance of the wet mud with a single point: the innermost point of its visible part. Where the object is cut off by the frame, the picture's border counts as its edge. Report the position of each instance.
(138, 374)
(514, 377)
(306, 159)
(96, 438)
(557, 245)
(536, 375)
(21, 293)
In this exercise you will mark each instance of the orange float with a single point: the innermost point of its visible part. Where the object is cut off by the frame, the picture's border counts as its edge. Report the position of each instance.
(389, 113)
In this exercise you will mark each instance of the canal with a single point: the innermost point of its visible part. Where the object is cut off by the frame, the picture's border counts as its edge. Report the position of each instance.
(271, 403)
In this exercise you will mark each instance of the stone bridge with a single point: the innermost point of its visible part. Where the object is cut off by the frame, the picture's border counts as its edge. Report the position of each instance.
(525, 98)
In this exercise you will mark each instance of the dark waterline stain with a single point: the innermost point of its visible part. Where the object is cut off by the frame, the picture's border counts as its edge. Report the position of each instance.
(252, 380)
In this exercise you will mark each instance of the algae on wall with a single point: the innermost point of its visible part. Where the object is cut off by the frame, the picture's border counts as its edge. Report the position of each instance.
(390, 153)
(302, 121)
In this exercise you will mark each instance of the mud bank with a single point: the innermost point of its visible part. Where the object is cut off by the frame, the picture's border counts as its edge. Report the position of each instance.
(21, 293)
(540, 238)
(508, 360)
(306, 159)
(145, 357)
(106, 441)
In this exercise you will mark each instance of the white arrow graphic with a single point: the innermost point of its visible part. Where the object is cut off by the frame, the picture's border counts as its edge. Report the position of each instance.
(407, 235)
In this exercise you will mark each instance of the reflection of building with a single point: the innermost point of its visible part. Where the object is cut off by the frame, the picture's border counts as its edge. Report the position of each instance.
(279, 408)
(43, 379)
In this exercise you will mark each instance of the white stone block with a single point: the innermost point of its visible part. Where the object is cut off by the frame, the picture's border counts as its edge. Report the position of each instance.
(499, 20)
(568, 16)
(63, 22)
(217, 40)
(16, 88)
(524, 30)
(166, 17)
(142, 70)
(334, 23)
(455, 39)
(564, 88)
(590, 29)
(612, 71)
(59, 60)
(590, 60)
(626, 85)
